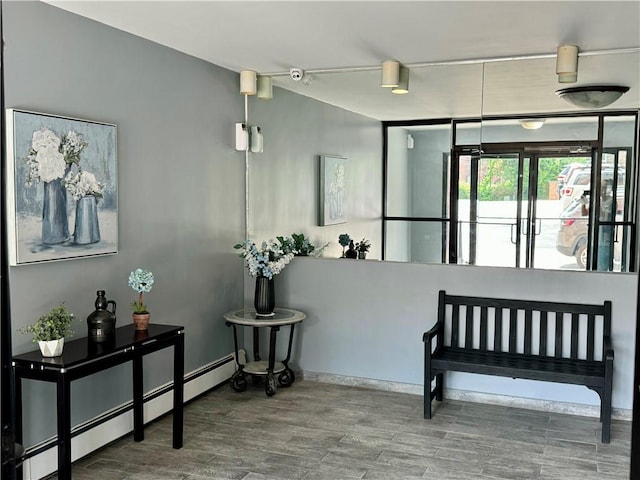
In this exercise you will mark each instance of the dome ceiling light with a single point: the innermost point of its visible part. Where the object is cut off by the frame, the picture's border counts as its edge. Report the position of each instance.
(532, 123)
(592, 96)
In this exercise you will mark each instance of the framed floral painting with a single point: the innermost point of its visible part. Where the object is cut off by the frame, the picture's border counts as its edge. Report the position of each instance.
(62, 187)
(333, 198)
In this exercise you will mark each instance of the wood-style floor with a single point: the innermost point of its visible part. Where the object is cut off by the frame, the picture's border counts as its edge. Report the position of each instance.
(314, 431)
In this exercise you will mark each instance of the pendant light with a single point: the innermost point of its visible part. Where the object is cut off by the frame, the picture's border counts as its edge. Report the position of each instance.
(403, 82)
(567, 64)
(390, 74)
(248, 82)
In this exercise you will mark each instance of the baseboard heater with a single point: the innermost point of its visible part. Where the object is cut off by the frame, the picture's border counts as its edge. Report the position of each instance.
(40, 459)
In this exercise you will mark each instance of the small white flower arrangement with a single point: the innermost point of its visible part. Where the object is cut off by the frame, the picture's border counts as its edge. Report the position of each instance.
(267, 260)
(50, 156)
(82, 184)
(141, 281)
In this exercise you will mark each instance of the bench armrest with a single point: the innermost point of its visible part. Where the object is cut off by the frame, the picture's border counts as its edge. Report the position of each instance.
(428, 335)
(607, 349)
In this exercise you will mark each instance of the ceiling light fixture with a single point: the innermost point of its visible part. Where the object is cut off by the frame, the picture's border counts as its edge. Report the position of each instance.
(390, 74)
(248, 82)
(403, 81)
(567, 64)
(592, 96)
(532, 123)
(265, 87)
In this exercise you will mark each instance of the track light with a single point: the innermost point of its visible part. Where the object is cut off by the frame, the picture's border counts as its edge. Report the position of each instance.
(403, 81)
(265, 87)
(567, 64)
(248, 82)
(390, 74)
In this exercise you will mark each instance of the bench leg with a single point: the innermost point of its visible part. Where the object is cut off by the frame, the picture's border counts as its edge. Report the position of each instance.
(605, 403)
(439, 386)
(427, 381)
(427, 395)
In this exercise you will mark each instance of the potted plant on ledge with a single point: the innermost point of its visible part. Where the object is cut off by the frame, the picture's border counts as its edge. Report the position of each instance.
(50, 330)
(363, 247)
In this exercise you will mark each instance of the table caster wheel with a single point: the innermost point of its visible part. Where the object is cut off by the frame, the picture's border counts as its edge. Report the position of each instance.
(238, 383)
(286, 378)
(270, 387)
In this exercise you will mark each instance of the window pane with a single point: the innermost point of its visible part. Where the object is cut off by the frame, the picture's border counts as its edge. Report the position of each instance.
(414, 241)
(417, 167)
(579, 129)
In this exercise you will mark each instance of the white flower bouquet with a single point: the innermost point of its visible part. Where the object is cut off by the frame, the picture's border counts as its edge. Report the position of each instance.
(82, 184)
(50, 156)
(267, 260)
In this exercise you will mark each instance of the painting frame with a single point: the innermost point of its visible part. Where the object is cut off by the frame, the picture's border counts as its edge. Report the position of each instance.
(62, 187)
(333, 190)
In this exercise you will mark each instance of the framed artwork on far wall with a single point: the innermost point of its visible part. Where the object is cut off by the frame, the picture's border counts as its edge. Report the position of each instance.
(62, 187)
(333, 194)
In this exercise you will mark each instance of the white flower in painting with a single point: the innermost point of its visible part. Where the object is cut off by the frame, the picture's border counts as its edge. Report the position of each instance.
(82, 184)
(51, 164)
(50, 156)
(44, 138)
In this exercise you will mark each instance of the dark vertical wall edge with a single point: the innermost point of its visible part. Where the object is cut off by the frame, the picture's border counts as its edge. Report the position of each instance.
(8, 439)
(635, 429)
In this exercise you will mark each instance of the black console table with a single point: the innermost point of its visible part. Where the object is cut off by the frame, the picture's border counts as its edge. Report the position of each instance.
(84, 357)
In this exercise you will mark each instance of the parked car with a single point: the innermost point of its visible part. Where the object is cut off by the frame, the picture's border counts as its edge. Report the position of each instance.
(574, 230)
(572, 235)
(579, 181)
(566, 171)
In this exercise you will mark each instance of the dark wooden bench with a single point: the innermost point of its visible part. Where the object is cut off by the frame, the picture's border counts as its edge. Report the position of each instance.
(548, 341)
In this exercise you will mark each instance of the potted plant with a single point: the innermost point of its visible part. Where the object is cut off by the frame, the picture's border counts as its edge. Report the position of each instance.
(301, 245)
(264, 262)
(363, 247)
(141, 281)
(344, 239)
(50, 330)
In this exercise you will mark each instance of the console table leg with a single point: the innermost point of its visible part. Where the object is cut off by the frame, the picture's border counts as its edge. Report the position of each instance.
(17, 385)
(138, 400)
(178, 391)
(63, 394)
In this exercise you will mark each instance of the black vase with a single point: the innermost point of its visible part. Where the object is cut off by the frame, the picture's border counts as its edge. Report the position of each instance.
(264, 300)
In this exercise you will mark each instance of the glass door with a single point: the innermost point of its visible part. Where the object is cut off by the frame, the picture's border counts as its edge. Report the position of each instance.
(559, 219)
(490, 192)
(522, 208)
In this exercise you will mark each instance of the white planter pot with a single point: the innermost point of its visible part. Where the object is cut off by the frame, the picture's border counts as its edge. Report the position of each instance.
(51, 348)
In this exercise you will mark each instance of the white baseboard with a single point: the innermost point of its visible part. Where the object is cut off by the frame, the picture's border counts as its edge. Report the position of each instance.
(196, 383)
(469, 396)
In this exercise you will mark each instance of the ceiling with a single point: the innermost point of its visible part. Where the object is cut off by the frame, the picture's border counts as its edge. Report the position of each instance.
(518, 38)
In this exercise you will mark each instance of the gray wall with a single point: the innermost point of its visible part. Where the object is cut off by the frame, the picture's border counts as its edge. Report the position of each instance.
(181, 199)
(373, 329)
(284, 179)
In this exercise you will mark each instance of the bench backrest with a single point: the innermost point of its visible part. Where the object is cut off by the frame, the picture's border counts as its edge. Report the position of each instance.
(548, 329)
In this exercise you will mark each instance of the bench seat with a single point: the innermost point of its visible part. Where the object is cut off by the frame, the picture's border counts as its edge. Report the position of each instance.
(532, 367)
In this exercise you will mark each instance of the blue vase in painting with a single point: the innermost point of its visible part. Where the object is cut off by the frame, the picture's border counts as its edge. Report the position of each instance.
(55, 222)
(87, 229)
